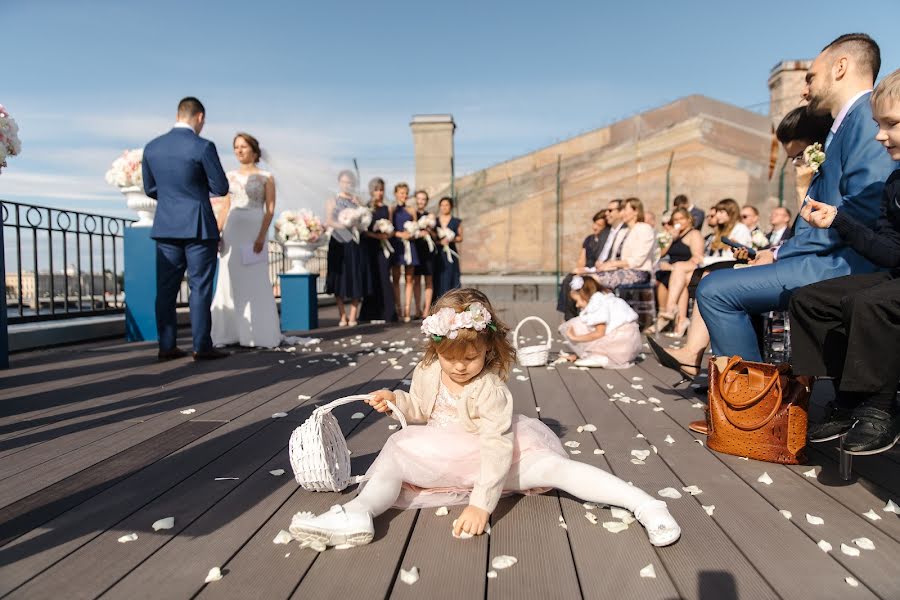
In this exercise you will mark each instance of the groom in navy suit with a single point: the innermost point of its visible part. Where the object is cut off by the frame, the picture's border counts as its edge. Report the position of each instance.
(181, 171)
(852, 177)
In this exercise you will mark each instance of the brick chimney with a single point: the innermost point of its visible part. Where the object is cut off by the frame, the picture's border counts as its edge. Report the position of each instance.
(433, 143)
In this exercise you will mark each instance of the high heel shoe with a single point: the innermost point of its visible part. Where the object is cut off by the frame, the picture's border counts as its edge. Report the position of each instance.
(670, 362)
(679, 330)
(662, 321)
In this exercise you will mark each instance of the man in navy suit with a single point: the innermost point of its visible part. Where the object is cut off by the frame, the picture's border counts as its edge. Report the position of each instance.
(681, 201)
(181, 170)
(852, 177)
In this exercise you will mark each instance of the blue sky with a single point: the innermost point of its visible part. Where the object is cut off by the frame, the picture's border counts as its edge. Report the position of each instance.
(321, 83)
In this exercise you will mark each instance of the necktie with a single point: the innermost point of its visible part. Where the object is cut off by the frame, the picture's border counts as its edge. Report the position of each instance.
(828, 138)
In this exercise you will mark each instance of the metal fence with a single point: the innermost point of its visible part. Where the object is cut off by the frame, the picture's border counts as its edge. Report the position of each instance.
(61, 263)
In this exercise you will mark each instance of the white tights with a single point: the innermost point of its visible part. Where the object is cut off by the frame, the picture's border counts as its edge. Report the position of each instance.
(581, 480)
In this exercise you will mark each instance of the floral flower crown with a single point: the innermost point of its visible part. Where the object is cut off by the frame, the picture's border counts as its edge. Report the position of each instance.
(447, 322)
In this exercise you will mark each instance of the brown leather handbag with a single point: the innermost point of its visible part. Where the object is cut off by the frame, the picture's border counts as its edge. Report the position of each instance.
(757, 410)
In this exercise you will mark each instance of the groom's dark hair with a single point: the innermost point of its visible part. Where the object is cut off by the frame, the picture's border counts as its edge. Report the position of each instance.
(864, 49)
(190, 106)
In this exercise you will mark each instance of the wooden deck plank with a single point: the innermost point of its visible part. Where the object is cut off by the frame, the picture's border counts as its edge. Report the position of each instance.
(43, 547)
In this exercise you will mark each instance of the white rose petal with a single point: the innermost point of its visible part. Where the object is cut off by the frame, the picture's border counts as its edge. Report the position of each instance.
(811, 474)
(669, 492)
(279, 415)
(864, 543)
(891, 506)
(277, 472)
(814, 520)
(764, 478)
(303, 397)
(283, 537)
(226, 479)
(786, 514)
(572, 444)
(648, 572)
(521, 378)
(442, 511)
(825, 546)
(640, 454)
(622, 515)
(872, 515)
(693, 490)
(599, 451)
(591, 517)
(188, 411)
(851, 582)
(409, 577)
(699, 442)
(167, 523)
(492, 574)
(615, 526)
(698, 405)
(516, 370)
(393, 427)
(588, 506)
(637, 378)
(654, 400)
(849, 550)
(590, 427)
(574, 451)
(669, 439)
(503, 561)
(658, 409)
(709, 508)
(215, 574)
(639, 436)
(127, 538)
(637, 386)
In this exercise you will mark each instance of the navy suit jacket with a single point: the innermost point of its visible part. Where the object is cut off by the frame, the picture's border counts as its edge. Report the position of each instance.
(851, 178)
(181, 170)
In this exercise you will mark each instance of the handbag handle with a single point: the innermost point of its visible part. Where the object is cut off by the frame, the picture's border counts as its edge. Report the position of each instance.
(765, 390)
(539, 320)
(762, 422)
(327, 408)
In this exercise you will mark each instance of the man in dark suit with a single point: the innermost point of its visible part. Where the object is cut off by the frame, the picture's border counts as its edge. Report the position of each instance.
(780, 223)
(181, 170)
(681, 201)
(851, 178)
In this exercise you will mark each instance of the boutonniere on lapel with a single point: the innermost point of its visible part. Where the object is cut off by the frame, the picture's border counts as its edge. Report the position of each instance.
(814, 156)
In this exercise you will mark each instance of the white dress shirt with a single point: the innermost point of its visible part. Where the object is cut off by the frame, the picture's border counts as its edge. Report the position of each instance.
(606, 253)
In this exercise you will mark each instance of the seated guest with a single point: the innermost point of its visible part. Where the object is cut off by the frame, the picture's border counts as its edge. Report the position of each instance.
(780, 223)
(606, 238)
(848, 328)
(797, 131)
(750, 219)
(685, 251)
(681, 201)
(605, 333)
(631, 259)
(850, 178)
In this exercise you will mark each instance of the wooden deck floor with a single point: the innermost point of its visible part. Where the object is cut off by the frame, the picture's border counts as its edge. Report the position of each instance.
(95, 446)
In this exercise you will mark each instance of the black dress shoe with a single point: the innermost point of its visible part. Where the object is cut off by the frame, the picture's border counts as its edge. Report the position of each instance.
(874, 431)
(838, 421)
(670, 362)
(210, 355)
(171, 354)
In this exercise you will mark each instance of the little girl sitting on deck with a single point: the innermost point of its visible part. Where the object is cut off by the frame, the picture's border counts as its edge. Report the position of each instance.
(464, 445)
(606, 332)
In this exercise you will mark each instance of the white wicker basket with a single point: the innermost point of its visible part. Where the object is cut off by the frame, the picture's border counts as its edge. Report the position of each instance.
(532, 356)
(318, 450)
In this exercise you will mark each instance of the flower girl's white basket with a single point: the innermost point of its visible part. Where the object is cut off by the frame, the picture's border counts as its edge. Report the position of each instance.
(318, 450)
(532, 356)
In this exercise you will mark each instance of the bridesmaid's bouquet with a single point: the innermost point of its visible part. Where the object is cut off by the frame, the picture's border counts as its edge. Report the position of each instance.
(126, 170)
(425, 223)
(355, 219)
(384, 226)
(445, 233)
(759, 239)
(9, 137)
(663, 239)
(302, 226)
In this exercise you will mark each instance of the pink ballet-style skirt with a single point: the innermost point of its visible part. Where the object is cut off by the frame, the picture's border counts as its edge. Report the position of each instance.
(621, 346)
(439, 464)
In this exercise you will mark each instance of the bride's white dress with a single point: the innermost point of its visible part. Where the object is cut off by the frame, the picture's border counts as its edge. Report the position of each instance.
(243, 309)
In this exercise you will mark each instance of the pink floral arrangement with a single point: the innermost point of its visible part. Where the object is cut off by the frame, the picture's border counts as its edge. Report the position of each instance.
(447, 322)
(126, 170)
(9, 137)
(301, 226)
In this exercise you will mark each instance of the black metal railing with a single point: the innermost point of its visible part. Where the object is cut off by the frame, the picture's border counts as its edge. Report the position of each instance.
(61, 263)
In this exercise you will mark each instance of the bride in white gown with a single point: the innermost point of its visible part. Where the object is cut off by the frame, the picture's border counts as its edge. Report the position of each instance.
(243, 309)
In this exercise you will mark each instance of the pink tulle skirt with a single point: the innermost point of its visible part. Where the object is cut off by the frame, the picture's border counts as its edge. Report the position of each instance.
(621, 346)
(439, 464)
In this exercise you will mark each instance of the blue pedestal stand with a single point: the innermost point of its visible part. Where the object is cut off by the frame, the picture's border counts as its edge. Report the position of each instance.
(299, 302)
(4, 332)
(140, 285)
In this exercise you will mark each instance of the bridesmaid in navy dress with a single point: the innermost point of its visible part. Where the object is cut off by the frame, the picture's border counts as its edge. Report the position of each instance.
(427, 257)
(379, 305)
(447, 272)
(348, 278)
(405, 254)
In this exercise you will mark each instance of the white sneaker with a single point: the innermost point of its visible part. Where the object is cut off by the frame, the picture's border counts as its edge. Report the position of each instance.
(336, 527)
(660, 525)
(592, 361)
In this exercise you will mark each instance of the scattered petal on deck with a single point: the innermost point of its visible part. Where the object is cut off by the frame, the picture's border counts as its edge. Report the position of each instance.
(409, 577)
(215, 574)
(279, 415)
(188, 411)
(277, 472)
(849, 550)
(648, 572)
(669, 492)
(864, 543)
(503, 561)
(825, 546)
(872, 515)
(283, 537)
(615, 526)
(764, 478)
(442, 511)
(814, 520)
(709, 508)
(786, 514)
(167, 523)
(128, 538)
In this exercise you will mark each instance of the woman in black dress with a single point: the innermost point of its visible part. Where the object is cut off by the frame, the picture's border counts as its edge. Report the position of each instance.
(686, 247)
(425, 248)
(450, 234)
(379, 305)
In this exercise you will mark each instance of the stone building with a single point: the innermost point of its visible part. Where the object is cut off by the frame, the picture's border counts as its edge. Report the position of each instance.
(529, 214)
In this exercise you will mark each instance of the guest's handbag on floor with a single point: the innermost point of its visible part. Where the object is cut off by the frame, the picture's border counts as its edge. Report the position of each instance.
(757, 410)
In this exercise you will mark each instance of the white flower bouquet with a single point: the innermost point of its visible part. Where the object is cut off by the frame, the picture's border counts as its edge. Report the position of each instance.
(384, 226)
(10, 145)
(445, 233)
(425, 223)
(814, 156)
(759, 239)
(302, 226)
(355, 219)
(126, 170)
(663, 239)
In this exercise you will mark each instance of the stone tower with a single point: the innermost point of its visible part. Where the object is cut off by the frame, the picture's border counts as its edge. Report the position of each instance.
(433, 143)
(786, 81)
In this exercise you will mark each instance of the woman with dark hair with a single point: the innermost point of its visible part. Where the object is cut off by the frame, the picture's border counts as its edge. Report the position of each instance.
(377, 248)
(405, 253)
(243, 309)
(348, 278)
(685, 253)
(426, 249)
(631, 260)
(450, 235)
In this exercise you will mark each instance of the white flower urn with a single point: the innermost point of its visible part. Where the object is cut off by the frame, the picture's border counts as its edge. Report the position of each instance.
(299, 253)
(143, 205)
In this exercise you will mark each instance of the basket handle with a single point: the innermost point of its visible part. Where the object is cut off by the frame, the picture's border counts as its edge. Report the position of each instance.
(356, 398)
(525, 320)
